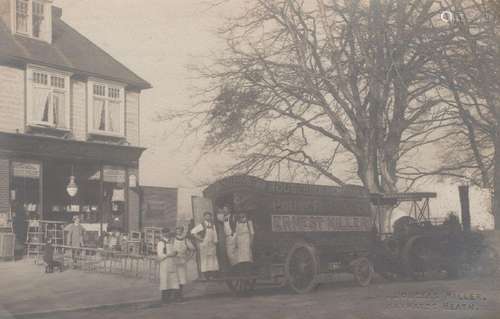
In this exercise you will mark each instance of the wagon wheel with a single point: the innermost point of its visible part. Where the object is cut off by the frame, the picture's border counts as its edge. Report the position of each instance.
(362, 270)
(487, 262)
(241, 287)
(301, 268)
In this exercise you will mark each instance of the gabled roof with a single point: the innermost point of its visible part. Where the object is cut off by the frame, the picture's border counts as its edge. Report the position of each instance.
(68, 51)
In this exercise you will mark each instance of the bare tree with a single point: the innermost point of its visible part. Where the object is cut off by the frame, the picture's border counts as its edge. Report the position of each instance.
(311, 86)
(471, 72)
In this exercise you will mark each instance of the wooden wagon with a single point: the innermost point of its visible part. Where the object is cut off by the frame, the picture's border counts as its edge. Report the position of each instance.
(303, 233)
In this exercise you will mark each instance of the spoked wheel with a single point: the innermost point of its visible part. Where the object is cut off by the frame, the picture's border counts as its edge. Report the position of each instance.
(487, 262)
(362, 270)
(241, 287)
(301, 268)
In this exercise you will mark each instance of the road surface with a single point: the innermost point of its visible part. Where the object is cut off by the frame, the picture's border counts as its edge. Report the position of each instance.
(465, 298)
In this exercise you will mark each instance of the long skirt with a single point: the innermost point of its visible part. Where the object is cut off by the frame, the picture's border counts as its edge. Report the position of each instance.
(169, 279)
(231, 250)
(182, 273)
(208, 258)
(244, 252)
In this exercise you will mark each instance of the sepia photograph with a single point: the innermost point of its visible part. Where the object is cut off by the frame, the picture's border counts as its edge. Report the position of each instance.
(250, 159)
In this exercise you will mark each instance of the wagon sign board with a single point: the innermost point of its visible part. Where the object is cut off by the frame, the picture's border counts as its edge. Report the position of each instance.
(307, 223)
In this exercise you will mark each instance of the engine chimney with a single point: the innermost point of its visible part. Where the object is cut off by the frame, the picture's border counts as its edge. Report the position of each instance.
(463, 192)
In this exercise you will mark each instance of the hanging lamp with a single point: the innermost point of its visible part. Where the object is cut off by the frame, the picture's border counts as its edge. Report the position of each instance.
(72, 188)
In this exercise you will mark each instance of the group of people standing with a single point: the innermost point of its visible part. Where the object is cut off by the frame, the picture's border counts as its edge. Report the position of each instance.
(174, 251)
(238, 237)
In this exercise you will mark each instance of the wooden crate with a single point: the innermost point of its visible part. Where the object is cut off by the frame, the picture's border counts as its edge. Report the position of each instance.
(7, 246)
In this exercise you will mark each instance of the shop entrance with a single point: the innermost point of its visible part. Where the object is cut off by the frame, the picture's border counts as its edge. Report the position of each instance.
(58, 204)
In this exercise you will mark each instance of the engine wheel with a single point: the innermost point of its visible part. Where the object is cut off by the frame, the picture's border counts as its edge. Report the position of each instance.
(301, 268)
(416, 257)
(241, 287)
(487, 262)
(362, 270)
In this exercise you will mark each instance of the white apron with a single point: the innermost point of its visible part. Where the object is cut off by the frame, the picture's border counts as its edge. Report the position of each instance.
(244, 236)
(169, 278)
(182, 247)
(231, 251)
(208, 251)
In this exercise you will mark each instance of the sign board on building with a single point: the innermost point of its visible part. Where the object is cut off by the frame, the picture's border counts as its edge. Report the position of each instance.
(311, 223)
(113, 174)
(25, 169)
(159, 206)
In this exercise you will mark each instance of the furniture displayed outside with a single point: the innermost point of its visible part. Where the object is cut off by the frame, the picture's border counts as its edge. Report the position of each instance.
(104, 261)
(152, 236)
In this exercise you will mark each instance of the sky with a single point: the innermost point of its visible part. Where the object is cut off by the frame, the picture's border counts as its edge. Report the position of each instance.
(158, 39)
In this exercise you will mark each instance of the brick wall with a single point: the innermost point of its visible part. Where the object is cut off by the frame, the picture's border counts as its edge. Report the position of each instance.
(79, 106)
(4, 185)
(132, 117)
(11, 99)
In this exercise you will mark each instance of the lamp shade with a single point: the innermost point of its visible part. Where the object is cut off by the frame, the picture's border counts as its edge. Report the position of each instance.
(72, 188)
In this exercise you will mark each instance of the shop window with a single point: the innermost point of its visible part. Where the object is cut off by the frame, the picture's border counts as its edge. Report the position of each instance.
(24, 196)
(48, 99)
(85, 203)
(114, 197)
(107, 109)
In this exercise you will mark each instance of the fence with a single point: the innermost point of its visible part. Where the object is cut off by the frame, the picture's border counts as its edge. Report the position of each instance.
(102, 260)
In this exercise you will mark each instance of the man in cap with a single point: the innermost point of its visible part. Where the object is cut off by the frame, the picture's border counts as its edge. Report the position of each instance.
(75, 238)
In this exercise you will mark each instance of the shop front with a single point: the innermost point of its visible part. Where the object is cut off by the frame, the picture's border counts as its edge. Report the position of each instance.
(53, 180)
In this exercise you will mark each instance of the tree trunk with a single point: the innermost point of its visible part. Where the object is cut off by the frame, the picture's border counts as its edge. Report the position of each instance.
(496, 180)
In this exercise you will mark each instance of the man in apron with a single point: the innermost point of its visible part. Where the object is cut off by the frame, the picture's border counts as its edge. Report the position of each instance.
(75, 238)
(169, 280)
(207, 237)
(184, 251)
(229, 221)
(244, 239)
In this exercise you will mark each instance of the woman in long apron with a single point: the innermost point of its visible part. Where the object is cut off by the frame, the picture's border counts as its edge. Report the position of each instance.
(184, 248)
(230, 237)
(207, 237)
(244, 239)
(169, 279)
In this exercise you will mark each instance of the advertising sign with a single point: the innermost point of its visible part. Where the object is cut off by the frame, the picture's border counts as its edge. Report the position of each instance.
(308, 223)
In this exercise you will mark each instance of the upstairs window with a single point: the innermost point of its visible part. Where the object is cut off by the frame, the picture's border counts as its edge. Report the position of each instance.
(48, 99)
(22, 16)
(32, 18)
(38, 18)
(107, 109)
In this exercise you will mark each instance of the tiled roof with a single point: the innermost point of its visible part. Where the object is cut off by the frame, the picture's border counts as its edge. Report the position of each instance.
(69, 51)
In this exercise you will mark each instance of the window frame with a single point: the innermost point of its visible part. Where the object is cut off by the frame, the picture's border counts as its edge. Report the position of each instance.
(45, 27)
(28, 16)
(43, 16)
(107, 99)
(30, 91)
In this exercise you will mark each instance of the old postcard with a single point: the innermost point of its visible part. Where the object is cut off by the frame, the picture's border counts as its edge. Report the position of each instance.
(250, 159)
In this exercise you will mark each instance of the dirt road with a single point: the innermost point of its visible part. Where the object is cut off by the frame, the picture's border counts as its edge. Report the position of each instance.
(466, 298)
